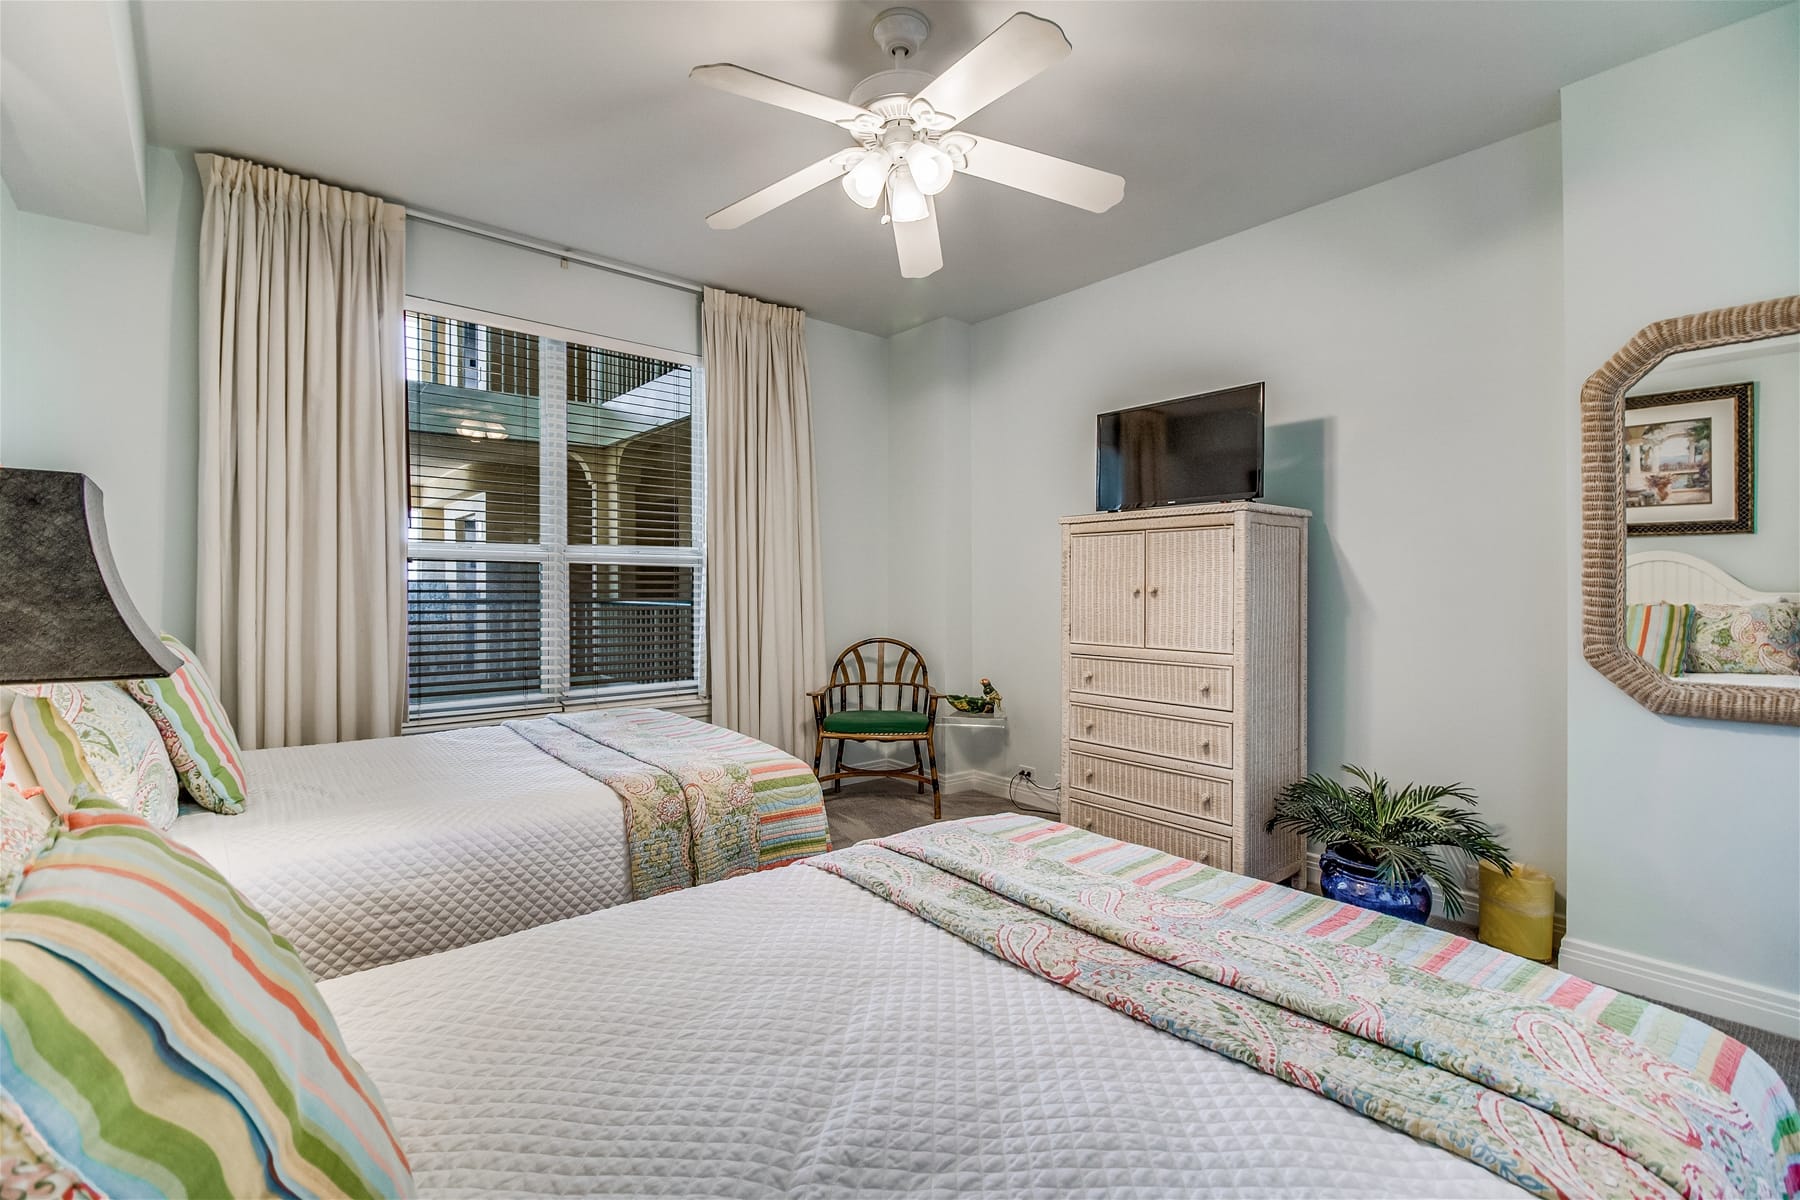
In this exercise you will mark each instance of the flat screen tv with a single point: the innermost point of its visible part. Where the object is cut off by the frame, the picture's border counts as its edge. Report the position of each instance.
(1196, 450)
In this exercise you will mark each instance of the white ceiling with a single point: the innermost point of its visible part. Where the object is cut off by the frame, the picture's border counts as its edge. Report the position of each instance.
(576, 123)
(71, 115)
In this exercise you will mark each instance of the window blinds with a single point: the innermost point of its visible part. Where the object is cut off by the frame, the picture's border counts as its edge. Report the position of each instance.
(554, 553)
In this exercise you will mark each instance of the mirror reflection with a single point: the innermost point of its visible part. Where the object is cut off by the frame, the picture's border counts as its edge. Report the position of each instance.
(1712, 493)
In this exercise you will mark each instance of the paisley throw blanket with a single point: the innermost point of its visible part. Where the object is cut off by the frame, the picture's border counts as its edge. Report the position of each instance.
(701, 803)
(1553, 1101)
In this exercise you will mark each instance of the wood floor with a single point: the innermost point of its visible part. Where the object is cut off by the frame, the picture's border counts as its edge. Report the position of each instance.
(882, 807)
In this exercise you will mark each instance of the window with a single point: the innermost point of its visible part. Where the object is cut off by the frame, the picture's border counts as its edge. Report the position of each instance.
(554, 554)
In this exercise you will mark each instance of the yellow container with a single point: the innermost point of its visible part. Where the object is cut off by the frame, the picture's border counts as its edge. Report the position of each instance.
(1518, 912)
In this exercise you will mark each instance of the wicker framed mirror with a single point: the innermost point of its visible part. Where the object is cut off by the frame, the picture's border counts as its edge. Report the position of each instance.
(1603, 521)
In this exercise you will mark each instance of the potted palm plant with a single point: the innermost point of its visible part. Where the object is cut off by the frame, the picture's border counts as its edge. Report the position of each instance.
(1384, 846)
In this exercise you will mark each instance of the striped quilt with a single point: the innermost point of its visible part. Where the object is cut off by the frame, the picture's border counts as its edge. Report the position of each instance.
(701, 803)
(1553, 1083)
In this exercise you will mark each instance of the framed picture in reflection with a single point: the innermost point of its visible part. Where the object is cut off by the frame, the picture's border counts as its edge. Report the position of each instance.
(1690, 461)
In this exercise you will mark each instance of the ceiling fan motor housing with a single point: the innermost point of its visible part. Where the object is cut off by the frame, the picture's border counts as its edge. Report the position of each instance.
(901, 31)
(886, 94)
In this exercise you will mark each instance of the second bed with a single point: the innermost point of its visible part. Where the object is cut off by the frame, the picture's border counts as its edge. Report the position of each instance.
(373, 852)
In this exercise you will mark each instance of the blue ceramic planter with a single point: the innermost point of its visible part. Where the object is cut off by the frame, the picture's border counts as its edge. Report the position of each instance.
(1357, 883)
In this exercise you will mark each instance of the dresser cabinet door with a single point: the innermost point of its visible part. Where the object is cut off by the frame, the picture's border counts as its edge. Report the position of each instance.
(1187, 584)
(1106, 589)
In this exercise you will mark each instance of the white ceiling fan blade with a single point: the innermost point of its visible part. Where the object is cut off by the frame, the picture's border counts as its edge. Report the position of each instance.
(921, 253)
(1054, 178)
(1007, 57)
(741, 81)
(778, 193)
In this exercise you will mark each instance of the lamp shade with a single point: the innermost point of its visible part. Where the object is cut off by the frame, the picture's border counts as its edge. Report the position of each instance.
(64, 615)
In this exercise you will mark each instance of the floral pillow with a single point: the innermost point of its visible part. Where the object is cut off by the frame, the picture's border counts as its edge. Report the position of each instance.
(23, 825)
(94, 733)
(1744, 639)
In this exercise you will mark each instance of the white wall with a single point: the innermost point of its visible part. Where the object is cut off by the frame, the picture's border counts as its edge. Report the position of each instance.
(97, 352)
(931, 493)
(1681, 178)
(848, 373)
(1410, 338)
(454, 267)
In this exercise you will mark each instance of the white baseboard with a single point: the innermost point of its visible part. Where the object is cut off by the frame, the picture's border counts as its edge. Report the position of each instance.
(1671, 983)
(985, 782)
(1471, 898)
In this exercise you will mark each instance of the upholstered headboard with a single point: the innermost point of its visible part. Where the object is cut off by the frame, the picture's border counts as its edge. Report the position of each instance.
(1670, 577)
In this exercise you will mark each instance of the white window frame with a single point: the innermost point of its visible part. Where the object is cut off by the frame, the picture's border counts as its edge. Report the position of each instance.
(556, 555)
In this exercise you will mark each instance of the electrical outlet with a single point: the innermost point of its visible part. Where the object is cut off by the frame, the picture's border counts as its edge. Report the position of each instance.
(1026, 772)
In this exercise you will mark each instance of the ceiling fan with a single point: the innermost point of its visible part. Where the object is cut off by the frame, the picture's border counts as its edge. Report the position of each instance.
(905, 125)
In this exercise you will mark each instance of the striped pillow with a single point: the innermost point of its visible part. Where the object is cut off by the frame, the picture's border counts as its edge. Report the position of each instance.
(159, 1039)
(196, 732)
(15, 772)
(51, 747)
(1658, 634)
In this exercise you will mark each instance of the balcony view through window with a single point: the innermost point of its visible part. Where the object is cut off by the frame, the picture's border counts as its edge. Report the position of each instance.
(553, 551)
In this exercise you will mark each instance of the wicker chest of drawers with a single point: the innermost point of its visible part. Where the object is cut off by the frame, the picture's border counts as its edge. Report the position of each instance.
(1184, 679)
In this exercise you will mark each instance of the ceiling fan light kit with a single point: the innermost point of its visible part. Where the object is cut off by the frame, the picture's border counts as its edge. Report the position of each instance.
(904, 123)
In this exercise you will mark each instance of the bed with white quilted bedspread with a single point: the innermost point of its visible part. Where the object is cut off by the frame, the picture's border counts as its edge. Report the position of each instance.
(364, 853)
(790, 1033)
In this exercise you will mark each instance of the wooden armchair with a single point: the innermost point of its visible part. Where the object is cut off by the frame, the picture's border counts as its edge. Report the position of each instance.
(880, 691)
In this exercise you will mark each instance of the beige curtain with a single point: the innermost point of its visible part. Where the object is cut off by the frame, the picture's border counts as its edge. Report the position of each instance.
(765, 624)
(302, 564)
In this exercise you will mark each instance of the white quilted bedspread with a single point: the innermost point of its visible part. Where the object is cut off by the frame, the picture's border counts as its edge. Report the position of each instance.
(789, 1033)
(364, 853)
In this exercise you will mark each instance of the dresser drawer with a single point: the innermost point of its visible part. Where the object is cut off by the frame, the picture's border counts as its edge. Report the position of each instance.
(1153, 733)
(1189, 795)
(1178, 840)
(1155, 682)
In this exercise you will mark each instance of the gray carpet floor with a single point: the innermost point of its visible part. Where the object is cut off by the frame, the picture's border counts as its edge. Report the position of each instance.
(880, 808)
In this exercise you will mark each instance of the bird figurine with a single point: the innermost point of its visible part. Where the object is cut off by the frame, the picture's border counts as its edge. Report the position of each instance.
(987, 702)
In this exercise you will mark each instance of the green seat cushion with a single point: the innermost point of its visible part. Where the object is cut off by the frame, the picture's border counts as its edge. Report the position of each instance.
(875, 720)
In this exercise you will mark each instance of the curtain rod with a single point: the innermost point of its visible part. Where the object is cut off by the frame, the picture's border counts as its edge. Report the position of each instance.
(554, 251)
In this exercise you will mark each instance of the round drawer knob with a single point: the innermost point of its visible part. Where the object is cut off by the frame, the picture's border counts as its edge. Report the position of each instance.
(1153, 591)
(1087, 678)
(1088, 728)
(1088, 775)
(1205, 690)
